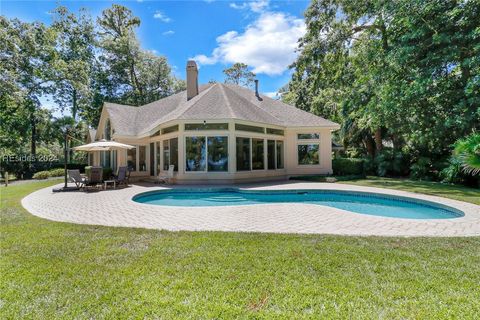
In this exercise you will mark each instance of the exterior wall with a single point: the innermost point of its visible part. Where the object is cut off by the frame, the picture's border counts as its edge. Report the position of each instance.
(325, 147)
(291, 166)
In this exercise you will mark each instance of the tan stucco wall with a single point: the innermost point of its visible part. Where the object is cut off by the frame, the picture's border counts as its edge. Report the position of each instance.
(291, 167)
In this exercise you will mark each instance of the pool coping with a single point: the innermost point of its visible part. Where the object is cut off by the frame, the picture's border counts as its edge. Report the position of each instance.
(117, 208)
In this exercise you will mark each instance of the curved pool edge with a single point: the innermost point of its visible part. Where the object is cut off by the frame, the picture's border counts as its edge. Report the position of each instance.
(368, 194)
(115, 208)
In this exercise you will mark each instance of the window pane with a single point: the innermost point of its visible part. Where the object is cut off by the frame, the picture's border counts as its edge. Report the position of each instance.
(279, 154)
(271, 154)
(195, 153)
(257, 154)
(305, 136)
(308, 154)
(174, 153)
(159, 155)
(166, 154)
(275, 131)
(206, 126)
(244, 127)
(170, 129)
(217, 153)
(243, 154)
(132, 159)
(142, 152)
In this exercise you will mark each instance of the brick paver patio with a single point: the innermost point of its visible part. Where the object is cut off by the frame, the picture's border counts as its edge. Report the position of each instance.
(116, 208)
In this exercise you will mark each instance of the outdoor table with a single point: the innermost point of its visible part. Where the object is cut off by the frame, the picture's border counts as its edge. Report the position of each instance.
(106, 182)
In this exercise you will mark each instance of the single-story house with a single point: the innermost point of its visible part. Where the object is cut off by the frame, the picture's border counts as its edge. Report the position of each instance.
(216, 133)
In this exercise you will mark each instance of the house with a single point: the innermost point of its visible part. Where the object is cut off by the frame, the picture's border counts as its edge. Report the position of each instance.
(216, 133)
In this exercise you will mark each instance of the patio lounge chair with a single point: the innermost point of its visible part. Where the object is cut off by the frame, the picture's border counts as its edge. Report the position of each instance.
(166, 178)
(94, 177)
(76, 178)
(122, 176)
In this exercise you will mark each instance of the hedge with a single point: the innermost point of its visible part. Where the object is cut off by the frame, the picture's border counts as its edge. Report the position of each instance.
(348, 166)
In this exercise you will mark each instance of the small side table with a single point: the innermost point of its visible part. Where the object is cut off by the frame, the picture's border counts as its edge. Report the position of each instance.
(106, 182)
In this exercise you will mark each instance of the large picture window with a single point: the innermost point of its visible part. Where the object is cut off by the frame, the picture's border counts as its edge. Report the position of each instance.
(195, 154)
(257, 154)
(132, 159)
(170, 153)
(274, 154)
(280, 155)
(243, 154)
(308, 154)
(217, 153)
(271, 154)
(142, 158)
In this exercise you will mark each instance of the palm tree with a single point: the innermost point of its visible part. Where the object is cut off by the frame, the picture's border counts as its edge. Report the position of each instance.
(468, 152)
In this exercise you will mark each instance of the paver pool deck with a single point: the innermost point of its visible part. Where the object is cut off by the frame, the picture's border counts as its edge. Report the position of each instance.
(116, 208)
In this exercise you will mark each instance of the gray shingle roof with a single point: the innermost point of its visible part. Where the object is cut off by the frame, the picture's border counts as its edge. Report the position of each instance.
(214, 101)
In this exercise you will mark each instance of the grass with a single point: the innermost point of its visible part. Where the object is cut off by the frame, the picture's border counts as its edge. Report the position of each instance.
(59, 270)
(451, 191)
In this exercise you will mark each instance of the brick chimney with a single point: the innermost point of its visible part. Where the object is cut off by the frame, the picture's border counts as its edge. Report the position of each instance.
(192, 79)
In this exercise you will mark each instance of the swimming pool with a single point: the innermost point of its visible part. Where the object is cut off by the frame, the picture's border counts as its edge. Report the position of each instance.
(358, 202)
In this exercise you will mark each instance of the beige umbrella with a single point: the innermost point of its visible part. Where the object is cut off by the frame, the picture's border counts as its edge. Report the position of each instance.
(103, 145)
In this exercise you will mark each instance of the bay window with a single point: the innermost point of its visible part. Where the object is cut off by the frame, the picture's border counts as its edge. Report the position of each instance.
(243, 154)
(257, 154)
(170, 153)
(195, 154)
(217, 153)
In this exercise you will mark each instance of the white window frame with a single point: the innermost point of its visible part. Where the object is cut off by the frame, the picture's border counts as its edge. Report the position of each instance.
(226, 135)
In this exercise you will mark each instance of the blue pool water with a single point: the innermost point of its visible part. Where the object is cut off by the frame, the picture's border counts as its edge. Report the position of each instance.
(358, 202)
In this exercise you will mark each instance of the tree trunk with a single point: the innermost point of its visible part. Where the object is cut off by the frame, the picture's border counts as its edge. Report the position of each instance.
(378, 140)
(74, 115)
(33, 128)
(369, 146)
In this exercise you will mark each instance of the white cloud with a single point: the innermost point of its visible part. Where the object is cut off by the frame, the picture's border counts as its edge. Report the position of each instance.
(273, 94)
(268, 44)
(168, 33)
(255, 6)
(161, 16)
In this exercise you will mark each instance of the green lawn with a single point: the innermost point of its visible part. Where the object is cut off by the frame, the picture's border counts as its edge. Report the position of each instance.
(433, 188)
(59, 270)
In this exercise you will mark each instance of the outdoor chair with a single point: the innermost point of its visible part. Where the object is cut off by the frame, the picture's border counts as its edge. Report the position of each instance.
(122, 176)
(75, 177)
(94, 177)
(166, 178)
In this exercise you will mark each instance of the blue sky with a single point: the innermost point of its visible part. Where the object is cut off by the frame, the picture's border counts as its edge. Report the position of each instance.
(261, 33)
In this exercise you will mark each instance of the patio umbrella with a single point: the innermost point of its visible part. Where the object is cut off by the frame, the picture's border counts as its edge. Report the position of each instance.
(103, 145)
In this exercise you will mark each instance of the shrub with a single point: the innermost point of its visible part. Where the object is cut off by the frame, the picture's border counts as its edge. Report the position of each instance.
(107, 173)
(57, 172)
(41, 175)
(348, 166)
(422, 169)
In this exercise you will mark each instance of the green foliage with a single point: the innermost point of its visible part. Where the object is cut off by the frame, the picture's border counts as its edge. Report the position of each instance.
(390, 76)
(239, 74)
(468, 152)
(421, 169)
(107, 173)
(348, 166)
(60, 172)
(41, 175)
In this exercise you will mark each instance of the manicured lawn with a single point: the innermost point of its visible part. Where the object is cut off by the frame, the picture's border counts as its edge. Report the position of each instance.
(60, 270)
(433, 188)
